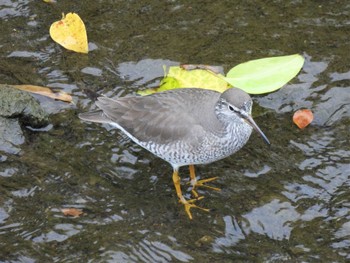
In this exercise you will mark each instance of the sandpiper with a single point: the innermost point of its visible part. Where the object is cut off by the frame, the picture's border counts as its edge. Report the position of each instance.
(185, 126)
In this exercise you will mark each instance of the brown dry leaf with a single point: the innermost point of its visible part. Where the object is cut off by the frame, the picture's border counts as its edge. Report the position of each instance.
(303, 118)
(61, 95)
(73, 212)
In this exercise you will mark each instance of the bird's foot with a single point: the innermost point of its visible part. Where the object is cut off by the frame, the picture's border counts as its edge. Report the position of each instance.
(201, 183)
(190, 204)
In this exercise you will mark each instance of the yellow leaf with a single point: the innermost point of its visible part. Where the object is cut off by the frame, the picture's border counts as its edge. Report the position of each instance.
(70, 33)
(45, 92)
(202, 78)
(190, 76)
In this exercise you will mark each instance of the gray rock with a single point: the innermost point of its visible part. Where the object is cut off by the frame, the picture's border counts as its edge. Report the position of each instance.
(19, 104)
(17, 107)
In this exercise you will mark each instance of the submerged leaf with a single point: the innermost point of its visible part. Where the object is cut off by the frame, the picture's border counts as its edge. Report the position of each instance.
(73, 212)
(266, 74)
(70, 33)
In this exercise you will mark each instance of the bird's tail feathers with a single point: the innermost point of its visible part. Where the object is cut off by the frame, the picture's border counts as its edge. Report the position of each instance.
(94, 116)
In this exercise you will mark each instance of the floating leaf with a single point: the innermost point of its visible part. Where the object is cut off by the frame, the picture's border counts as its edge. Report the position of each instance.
(202, 78)
(266, 74)
(61, 95)
(190, 76)
(255, 76)
(303, 118)
(70, 33)
(73, 212)
(167, 83)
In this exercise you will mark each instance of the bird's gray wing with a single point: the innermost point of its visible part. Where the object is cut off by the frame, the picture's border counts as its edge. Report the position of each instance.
(149, 118)
(159, 118)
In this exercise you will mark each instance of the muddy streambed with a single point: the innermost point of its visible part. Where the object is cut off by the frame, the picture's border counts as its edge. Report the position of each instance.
(284, 203)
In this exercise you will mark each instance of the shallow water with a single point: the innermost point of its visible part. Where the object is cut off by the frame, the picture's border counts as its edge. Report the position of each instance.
(284, 203)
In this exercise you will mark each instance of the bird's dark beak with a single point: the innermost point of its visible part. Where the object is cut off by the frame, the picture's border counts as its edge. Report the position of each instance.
(252, 123)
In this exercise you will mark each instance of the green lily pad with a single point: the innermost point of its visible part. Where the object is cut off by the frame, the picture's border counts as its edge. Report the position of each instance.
(266, 74)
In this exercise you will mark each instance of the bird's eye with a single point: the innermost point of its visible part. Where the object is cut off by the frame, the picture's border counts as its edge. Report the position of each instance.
(231, 108)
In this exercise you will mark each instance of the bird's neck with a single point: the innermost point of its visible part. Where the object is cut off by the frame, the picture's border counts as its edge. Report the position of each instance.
(238, 131)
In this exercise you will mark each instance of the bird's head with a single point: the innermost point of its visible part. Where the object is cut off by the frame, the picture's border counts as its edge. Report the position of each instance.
(235, 106)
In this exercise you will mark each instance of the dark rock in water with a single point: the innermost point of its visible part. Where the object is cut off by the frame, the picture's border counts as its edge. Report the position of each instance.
(18, 107)
(19, 104)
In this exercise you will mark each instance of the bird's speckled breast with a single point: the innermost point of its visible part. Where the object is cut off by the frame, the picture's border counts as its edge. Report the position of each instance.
(211, 148)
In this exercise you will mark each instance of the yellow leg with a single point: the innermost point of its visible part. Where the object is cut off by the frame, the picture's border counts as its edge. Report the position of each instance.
(200, 183)
(187, 203)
